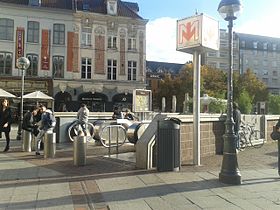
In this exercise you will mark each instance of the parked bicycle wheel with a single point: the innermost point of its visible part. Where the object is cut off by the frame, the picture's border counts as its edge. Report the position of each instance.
(257, 139)
(243, 140)
(75, 127)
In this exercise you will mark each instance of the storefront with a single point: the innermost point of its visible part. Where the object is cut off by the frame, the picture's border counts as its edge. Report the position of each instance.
(96, 102)
(123, 101)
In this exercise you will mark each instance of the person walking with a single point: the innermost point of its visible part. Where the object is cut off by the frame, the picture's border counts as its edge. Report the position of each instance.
(237, 123)
(82, 116)
(29, 121)
(5, 121)
(44, 126)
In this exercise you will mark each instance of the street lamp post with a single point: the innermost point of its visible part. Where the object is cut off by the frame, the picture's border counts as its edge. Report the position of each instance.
(230, 173)
(23, 64)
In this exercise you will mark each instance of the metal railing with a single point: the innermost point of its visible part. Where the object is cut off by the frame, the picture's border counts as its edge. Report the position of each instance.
(113, 136)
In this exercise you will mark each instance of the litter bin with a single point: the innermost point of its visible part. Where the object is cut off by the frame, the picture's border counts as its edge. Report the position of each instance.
(168, 145)
(80, 149)
(49, 145)
(26, 143)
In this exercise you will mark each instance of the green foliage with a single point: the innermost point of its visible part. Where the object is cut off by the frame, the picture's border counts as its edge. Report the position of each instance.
(249, 82)
(245, 102)
(247, 88)
(217, 107)
(273, 104)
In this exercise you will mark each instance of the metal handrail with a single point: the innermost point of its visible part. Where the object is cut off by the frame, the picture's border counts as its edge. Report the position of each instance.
(118, 143)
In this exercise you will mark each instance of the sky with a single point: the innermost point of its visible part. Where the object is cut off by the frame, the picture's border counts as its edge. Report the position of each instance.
(257, 17)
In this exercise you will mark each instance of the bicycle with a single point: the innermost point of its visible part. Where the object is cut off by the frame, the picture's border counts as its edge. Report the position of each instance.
(75, 128)
(250, 136)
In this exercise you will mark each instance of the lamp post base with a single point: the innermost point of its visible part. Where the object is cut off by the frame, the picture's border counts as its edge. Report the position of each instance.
(234, 179)
(230, 173)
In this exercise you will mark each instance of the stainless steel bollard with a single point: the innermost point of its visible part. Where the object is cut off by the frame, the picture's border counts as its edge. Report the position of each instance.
(49, 145)
(33, 143)
(80, 150)
(26, 141)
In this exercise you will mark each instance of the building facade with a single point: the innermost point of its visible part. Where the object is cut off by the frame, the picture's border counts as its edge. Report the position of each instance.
(261, 54)
(80, 51)
(220, 59)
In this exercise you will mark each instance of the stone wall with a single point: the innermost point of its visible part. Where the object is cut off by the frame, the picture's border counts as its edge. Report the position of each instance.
(212, 129)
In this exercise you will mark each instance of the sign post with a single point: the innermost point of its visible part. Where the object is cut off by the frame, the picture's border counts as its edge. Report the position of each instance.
(195, 34)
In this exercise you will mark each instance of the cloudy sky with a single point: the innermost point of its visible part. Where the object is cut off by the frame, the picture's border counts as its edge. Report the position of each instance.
(257, 18)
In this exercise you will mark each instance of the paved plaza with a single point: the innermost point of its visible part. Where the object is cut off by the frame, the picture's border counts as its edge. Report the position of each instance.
(30, 182)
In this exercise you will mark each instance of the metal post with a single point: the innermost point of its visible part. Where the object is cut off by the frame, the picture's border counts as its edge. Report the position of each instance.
(279, 157)
(19, 134)
(109, 141)
(230, 173)
(117, 149)
(196, 108)
(80, 150)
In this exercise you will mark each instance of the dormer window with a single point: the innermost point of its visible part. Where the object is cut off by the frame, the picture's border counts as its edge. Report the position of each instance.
(35, 3)
(112, 7)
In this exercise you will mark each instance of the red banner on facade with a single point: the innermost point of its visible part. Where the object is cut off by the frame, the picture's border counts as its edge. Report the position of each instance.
(19, 43)
(45, 50)
(70, 51)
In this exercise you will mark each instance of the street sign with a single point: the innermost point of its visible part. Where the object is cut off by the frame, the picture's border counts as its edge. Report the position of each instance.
(196, 33)
(142, 100)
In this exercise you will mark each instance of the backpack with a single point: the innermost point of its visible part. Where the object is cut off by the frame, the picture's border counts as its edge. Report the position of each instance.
(50, 119)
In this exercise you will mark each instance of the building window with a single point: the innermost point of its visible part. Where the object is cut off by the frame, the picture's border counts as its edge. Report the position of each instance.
(223, 43)
(274, 63)
(34, 2)
(223, 66)
(223, 54)
(212, 64)
(274, 81)
(131, 43)
(33, 68)
(275, 73)
(86, 68)
(265, 46)
(255, 45)
(112, 42)
(243, 44)
(6, 61)
(59, 34)
(86, 5)
(86, 36)
(256, 62)
(58, 66)
(264, 63)
(265, 53)
(6, 29)
(274, 47)
(131, 71)
(33, 31)
(265, 80)
(265, 72)
(112, 69)
(212, 54)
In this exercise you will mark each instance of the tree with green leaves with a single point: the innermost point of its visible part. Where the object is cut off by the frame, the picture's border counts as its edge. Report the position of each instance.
(273, 104)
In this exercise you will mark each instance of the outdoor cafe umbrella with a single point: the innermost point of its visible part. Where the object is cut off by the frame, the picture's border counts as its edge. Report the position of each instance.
(5, 94)
(38, 96)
